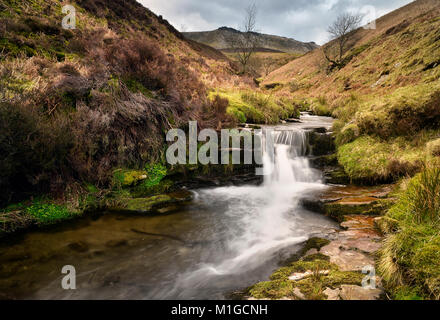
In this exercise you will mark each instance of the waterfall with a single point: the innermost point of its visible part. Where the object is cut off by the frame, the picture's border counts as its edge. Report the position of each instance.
(263, 219)
(288, 164)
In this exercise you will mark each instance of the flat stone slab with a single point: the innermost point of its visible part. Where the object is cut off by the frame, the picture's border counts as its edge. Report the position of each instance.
(357, 194)
(346, 260)
(332, 294)
(350, 292)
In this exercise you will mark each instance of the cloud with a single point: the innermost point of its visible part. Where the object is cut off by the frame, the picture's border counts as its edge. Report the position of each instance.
(304, 20)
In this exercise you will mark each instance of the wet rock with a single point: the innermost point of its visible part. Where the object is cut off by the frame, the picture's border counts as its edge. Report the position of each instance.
(355, 206)
(350, 292)
(332, 294)
(311, 252)
(146, 205)
(321, 144)
(182, 195)
(347, 260)
(321, 162)
(293, 120)
(79, 246)
(336, 175)
(154, 203)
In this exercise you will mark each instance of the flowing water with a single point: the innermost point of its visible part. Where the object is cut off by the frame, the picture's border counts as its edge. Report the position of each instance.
(227, 239)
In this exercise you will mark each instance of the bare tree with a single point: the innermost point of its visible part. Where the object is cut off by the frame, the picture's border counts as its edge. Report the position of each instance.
(340, 30)
(245, 42)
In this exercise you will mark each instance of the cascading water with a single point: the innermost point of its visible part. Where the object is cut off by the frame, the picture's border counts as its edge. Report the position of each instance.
(264, 219)
(228, 238)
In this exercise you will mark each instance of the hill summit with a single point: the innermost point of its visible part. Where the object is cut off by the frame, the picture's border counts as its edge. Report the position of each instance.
(269, 43)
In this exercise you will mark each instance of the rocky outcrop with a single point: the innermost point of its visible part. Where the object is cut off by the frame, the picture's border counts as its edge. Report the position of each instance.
(154, 204)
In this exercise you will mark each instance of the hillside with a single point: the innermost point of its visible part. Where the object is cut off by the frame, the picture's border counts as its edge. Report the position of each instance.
(387, 88)
(76, 104)
(385, 95)
(269, 43)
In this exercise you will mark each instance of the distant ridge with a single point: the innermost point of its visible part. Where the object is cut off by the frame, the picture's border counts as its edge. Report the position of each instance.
(270, 43)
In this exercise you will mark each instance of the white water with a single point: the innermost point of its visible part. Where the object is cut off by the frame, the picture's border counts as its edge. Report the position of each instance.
(264, 219)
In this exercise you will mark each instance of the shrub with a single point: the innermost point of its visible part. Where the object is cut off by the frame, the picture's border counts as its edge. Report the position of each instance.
(34, 150)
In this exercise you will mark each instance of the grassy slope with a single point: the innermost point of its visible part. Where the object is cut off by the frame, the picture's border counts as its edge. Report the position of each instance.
(77, 105)
(85, 109)
(387, 101)
(386, 97)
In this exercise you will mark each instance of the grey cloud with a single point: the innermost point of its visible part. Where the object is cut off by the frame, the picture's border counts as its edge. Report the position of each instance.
(304, 20)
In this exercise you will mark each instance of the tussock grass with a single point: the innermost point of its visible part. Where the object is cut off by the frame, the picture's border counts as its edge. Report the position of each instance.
(256, 107)
(411, 252)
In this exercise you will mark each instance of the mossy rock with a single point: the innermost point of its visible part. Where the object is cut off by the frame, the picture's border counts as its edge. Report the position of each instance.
(337, 176)
(128, 178)
(325, 161)
(151, 204)
(314, 243)
(312, 286)
(144, 205)
(338, 210)
(272, 289)
(316, 256)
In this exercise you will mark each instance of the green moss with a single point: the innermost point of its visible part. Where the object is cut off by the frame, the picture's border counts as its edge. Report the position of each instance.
(312, 286)
(256, 107)
(348, 134)
(272, 289)
(407, 293)
(320, 107)
(404, 112)
(338, 211)
(301, 266)
(128, 178)
(314, 243)
(369, 159)
(316, 256)
(46, 213)
(135, 86)
(145, 205)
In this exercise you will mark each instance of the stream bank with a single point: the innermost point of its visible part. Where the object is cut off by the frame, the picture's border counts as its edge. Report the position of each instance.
(331, 268)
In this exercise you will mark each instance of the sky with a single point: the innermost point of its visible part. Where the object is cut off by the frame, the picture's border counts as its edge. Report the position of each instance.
(303, 20)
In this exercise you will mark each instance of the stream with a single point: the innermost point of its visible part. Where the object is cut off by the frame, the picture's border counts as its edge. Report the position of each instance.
(226, 239)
